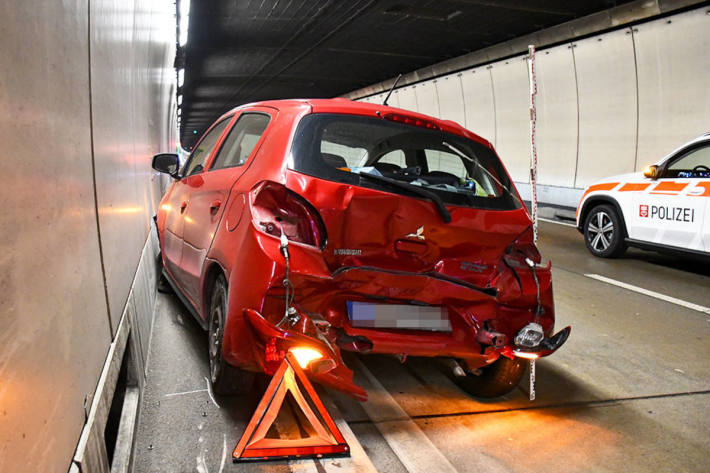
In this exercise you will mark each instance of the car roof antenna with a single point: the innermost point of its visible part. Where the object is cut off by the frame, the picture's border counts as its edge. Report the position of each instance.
(384, 102)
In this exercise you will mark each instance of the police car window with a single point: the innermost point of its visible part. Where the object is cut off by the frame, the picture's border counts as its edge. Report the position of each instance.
(694, 164)
(198, 157)
(241, 140)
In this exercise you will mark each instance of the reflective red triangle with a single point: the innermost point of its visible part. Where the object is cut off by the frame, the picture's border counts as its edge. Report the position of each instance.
(328, 440)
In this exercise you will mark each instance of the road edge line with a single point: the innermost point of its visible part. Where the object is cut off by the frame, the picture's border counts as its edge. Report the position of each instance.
(646, 292)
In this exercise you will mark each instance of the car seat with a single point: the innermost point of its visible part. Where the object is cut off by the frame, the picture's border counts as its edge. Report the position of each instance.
(441, 177)
(334, 160)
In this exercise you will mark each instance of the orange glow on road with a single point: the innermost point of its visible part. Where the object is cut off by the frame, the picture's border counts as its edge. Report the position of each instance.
(526, 355)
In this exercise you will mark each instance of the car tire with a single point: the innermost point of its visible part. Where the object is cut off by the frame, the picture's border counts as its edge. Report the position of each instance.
(604, 232)
(496, 379)
(225, 378)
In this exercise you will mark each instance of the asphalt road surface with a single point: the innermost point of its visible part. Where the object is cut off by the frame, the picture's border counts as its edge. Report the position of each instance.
(630, 391)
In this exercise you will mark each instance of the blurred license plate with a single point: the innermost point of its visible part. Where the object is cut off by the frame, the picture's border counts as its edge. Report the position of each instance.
(370, 315)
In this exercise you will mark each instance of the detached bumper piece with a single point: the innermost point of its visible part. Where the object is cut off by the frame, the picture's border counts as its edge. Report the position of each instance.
(327, 441)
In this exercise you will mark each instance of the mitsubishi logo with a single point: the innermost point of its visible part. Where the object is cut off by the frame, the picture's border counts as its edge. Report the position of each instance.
(419, 235)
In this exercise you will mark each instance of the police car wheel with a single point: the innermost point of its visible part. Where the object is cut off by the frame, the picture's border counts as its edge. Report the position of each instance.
(603, 232)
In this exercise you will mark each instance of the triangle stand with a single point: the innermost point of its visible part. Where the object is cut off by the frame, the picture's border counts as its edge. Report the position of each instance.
(327, 441)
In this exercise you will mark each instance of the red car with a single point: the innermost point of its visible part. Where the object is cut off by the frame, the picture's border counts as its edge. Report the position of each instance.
(318, 226)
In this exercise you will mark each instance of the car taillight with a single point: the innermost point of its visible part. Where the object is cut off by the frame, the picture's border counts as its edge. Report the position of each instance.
(276, 208)
(521, 249)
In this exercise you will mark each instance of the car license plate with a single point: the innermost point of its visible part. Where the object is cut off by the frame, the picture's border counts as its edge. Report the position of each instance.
(401, 316)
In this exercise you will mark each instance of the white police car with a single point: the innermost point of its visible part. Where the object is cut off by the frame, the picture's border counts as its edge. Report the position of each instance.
(666, 207)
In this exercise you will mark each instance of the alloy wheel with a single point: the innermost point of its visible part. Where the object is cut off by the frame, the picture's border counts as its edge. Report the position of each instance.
(601, 231)
(215, 336)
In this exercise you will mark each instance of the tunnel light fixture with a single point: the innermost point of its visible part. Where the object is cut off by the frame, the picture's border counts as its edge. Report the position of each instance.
(181, 77)
(179, 99)
(184, 21)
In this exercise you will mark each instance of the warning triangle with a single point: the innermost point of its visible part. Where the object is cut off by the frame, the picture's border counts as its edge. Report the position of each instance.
(327, 439)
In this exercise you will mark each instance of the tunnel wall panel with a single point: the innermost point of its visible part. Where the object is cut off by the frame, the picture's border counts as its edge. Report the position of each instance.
(556, 116)
(394, 99)
(90, 88)
(450, 95)
(54, 330)
(407, 99)
(606, 80)
(511, 93)
(478, 103)
(126, 51)
(427, 100)
(673, 83)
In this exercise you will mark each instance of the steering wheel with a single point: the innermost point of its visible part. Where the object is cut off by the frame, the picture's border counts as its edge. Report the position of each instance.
(701, 167)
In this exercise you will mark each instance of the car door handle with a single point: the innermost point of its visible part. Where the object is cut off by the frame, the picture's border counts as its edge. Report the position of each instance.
(183, 206)
(215, 205)
(696, 191)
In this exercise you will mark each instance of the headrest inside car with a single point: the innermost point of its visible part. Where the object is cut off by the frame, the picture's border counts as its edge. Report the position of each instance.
(334, 160)
(387, 167)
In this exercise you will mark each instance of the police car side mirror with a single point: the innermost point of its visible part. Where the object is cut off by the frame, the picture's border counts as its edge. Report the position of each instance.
(651, 171)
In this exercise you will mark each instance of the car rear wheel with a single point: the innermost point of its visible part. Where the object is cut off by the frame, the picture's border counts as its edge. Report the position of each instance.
(603, 232)
(226, 379)
(496, 379)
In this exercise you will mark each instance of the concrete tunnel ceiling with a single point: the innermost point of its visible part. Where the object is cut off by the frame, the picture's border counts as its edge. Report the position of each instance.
(244, 51)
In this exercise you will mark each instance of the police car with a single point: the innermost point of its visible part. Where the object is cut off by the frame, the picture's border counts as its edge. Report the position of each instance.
(665, 207)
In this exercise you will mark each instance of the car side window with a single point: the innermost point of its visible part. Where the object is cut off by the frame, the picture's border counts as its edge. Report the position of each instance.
(241, 140)
(695, 163)
(198, 157)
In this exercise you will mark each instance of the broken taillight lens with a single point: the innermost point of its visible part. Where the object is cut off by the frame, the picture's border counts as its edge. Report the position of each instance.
(521, 249)
(276, 208)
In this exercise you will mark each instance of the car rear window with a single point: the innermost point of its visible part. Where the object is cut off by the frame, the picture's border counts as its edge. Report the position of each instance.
(460, 171)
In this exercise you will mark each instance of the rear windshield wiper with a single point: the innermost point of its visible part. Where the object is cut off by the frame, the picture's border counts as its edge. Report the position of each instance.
(443, 211)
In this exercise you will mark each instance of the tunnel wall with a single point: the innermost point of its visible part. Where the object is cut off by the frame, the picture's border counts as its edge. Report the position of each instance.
(608, 104)
(85, 100)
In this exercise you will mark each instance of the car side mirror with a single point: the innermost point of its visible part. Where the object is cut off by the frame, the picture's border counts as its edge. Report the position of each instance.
(651, 171)
(167, 163)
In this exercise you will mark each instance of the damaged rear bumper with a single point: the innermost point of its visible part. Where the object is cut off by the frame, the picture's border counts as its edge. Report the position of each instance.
(546, 347)
(483, 324)
(329, 370)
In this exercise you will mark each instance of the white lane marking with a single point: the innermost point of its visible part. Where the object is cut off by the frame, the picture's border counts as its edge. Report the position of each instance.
(186, 392)
(548, 220)
(413, 448)
(209, 391)
(357, 462)
(361, 463)
(224, 452)
(646, 292)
